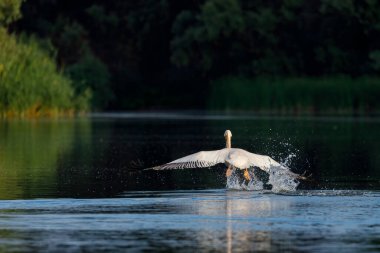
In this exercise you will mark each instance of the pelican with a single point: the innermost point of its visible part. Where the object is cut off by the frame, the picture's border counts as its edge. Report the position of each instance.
(232, 157)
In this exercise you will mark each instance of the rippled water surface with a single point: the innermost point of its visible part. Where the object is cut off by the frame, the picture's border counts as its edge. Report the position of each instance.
(77, 185)
(196, 221)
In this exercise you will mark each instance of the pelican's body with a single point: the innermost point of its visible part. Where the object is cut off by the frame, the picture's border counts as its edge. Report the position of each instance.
(232, 157)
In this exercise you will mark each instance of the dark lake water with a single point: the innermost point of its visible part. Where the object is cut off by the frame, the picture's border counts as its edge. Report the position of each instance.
(77, 185)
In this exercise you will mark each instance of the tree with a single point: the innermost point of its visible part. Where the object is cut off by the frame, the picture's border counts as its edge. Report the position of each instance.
(9, 11)
(201, 39)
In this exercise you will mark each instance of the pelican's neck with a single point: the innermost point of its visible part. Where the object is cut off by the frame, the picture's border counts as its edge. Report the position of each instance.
(228, 142)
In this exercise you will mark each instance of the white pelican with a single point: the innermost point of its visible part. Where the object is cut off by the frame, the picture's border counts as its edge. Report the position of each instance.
(232, 157)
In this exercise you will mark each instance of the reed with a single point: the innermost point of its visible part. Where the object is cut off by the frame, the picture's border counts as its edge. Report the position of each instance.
(30, 84)
(324, 95)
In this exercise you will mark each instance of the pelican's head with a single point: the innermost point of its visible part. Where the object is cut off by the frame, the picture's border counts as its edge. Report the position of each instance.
(227, 136)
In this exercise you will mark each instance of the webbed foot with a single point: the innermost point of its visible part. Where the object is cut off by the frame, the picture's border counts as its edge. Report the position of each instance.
(229, 171)
(246, 175)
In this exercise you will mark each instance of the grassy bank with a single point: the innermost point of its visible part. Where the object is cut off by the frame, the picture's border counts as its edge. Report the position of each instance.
(327, 95)
(30, 84)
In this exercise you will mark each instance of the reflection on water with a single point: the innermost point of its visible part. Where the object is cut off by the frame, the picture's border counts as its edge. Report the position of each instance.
(102, 156)
(31, 153)
(194, 221)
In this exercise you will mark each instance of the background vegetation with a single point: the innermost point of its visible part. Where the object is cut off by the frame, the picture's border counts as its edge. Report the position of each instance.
(284, 56)
(323, 95)
(30, 84)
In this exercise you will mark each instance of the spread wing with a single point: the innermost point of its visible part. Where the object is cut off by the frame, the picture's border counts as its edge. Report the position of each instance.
(262, 161)
(266, 163)
(200, 159)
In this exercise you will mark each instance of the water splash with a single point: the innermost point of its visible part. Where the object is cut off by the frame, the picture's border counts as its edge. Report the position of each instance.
(280, 179)
(288, 154)
(287, 160)
(236, 182)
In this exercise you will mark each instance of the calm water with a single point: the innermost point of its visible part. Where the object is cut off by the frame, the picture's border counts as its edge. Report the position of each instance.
(78, 185)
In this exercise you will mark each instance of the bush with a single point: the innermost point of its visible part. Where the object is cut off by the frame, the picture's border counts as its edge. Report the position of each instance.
(9, 11)
(30, 83)
(90, 72)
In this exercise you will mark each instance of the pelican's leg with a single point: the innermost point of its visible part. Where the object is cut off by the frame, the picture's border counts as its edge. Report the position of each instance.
(229, 171)
(246, 175)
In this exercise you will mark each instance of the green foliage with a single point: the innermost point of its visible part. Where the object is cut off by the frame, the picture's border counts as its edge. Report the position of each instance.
(70, 39)
(141, 51)
(29, 81)
(102, 19)
(339, 94)
(141, 17)
(345, 6)
(289, 8)
(91, 74)
(256, 38)
(375, 57)
(265, 22)
(9, 11)
(218, 19)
